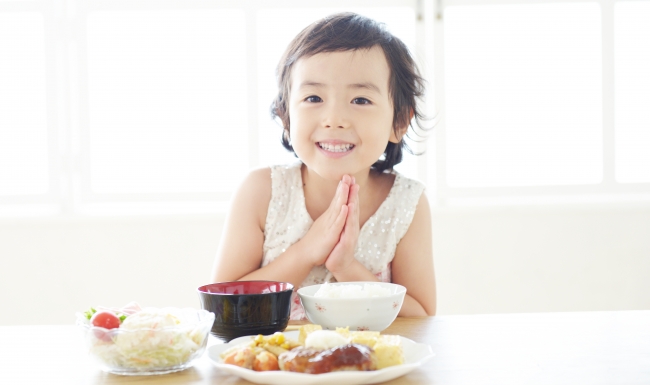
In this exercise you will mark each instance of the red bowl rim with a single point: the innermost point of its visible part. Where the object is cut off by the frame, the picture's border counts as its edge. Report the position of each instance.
(286, 286)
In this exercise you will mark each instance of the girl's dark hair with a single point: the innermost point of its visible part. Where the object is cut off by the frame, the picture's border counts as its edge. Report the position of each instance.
(348, 32)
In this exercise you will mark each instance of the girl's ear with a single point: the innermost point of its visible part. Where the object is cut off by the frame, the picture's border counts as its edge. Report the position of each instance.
(396, 135)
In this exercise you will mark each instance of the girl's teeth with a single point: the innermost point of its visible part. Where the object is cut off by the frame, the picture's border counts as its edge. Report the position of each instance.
(336, 147)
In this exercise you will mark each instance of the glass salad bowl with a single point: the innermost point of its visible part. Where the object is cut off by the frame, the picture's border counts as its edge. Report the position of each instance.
(151, 341)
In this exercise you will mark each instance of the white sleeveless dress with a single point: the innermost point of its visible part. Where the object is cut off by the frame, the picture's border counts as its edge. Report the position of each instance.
(287, 221)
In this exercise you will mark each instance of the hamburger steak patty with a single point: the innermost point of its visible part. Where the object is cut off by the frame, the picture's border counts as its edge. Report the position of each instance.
(345, 357)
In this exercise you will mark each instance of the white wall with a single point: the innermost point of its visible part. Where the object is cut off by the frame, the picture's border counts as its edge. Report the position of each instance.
(568, 258)
(488, 260)
(52, 268)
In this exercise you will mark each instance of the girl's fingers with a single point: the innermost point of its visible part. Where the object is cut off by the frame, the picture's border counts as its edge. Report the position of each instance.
(353, 197)
(346, 181)
(334, 204)
(349, 221)
(340, 197)
(341, 219)
(353, 208)
(354, 216)
(349, 231)
(345, 193)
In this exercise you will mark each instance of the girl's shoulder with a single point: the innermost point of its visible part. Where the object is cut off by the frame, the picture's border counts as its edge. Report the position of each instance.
(402, 182)
(285, 178)
(261, 181)
(401, 202)
(406, 195)
(251, 199)
(258, 179)
(258, 187)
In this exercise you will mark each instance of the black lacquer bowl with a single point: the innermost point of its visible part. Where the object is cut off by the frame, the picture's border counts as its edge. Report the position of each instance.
(244, 308)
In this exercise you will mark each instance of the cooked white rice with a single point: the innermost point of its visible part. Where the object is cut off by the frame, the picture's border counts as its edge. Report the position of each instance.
(324, 339)
(352, 291)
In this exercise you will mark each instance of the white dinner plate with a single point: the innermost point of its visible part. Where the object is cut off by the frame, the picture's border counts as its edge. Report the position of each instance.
(415, 355)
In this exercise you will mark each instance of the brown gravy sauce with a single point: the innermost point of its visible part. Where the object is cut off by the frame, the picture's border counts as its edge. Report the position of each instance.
(344, 357)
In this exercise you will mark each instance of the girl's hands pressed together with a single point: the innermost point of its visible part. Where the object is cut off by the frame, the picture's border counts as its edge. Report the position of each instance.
(325, 233)
(343, 253)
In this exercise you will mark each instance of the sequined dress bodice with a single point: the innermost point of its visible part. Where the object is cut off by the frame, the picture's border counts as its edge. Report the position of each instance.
(287, 221)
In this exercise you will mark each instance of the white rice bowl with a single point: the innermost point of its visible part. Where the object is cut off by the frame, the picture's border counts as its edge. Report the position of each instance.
(358, 305)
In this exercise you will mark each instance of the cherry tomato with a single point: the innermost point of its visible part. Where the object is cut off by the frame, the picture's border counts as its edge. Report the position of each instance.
(106, 320)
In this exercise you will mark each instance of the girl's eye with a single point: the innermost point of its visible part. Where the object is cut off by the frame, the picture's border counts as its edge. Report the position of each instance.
(313, 99)
(361, 101)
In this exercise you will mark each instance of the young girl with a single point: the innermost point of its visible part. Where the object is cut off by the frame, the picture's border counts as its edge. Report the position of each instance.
(347, 94)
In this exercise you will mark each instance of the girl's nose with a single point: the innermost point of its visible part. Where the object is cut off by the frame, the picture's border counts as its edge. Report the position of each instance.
(335, 117)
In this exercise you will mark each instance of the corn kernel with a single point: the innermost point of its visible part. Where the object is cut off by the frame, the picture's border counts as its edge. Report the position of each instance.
(259, 339)
(276, 339)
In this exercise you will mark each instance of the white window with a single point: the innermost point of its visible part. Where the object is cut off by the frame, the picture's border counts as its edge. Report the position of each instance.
(166, 104)
(167, 101)
(632, 96)
(23, 106)
(128, 106)
(523, 93)
(541, 101)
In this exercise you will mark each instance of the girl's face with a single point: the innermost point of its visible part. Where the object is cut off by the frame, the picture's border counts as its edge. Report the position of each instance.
(340, 110)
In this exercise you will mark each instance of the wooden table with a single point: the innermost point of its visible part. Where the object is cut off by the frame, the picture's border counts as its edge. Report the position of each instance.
(542, 348)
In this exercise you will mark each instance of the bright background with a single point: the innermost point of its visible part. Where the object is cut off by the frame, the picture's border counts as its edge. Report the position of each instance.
(125, 125)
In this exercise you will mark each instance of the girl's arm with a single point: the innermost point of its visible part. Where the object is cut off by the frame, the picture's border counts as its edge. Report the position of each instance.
(240, 252)
(413, 264)
(241, 248)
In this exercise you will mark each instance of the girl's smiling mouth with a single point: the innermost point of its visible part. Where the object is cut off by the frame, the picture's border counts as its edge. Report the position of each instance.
(335, 149)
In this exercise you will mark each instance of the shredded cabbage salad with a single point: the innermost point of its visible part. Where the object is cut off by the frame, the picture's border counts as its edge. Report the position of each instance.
(150, 338)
